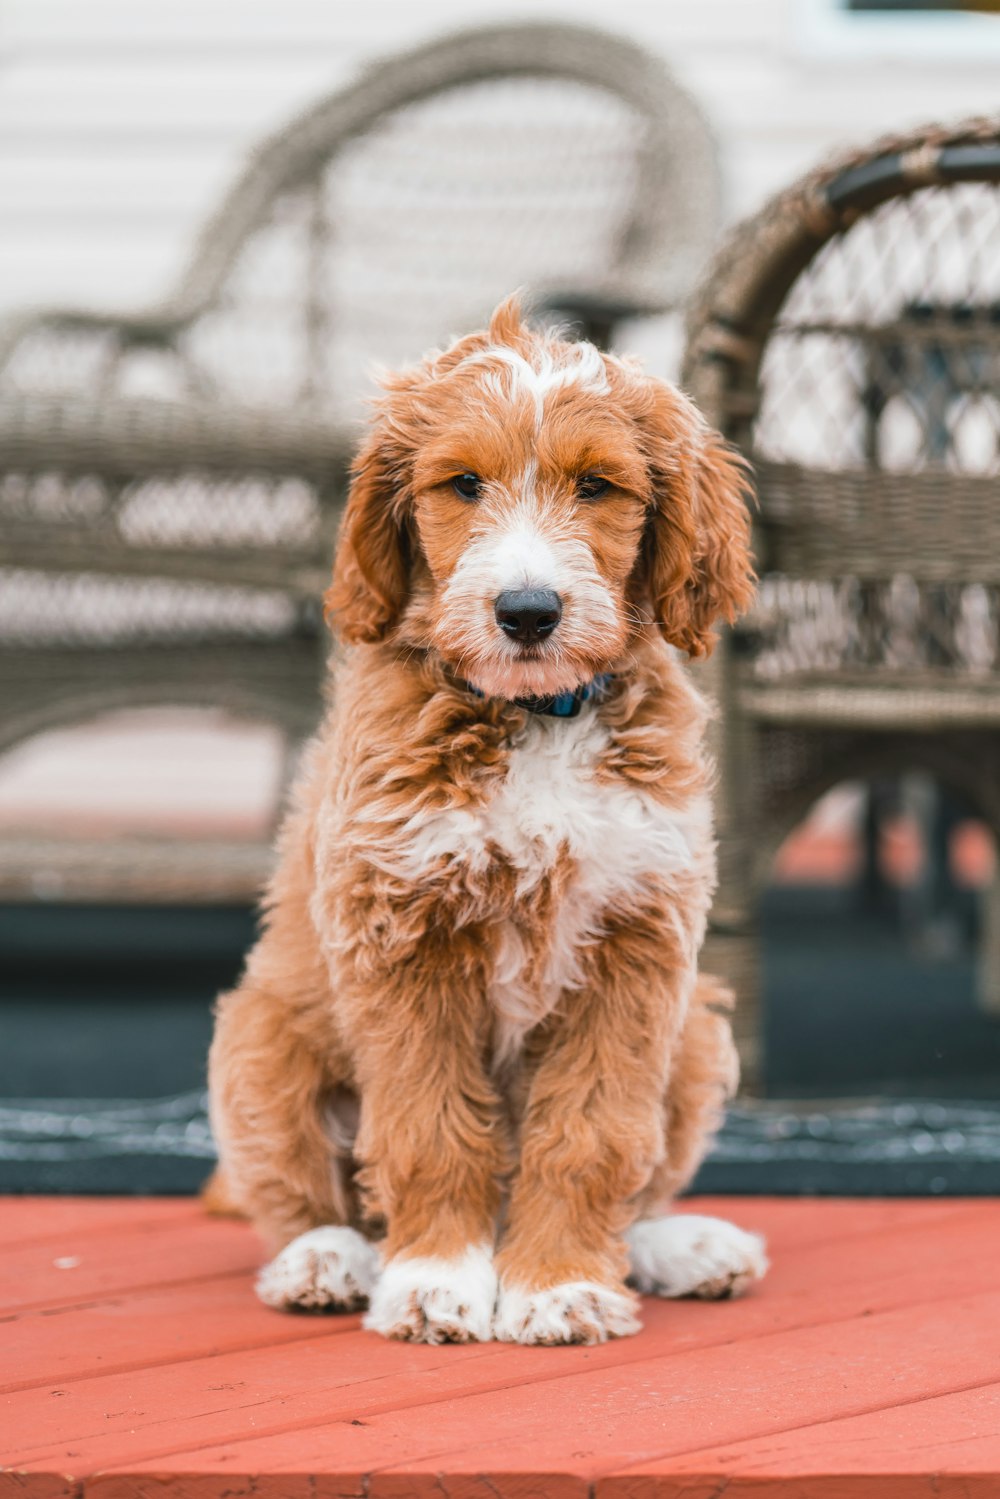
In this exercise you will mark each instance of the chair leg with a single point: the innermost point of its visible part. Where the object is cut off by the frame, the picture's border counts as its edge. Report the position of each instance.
(988, 952)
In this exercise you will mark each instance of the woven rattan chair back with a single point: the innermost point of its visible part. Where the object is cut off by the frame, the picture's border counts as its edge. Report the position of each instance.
(170, 481)
(397, 212)
(848, 339)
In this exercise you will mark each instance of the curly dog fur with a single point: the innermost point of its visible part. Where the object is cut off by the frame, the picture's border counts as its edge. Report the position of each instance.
(472, 1033)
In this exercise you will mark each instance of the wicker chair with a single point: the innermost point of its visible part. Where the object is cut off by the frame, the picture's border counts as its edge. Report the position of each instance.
(170, 481)
(848, 339)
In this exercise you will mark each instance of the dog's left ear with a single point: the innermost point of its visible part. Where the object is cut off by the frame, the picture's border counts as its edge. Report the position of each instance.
(371, 569)
(697, 561)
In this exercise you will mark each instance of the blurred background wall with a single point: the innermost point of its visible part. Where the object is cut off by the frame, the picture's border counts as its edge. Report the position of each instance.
(122, 121)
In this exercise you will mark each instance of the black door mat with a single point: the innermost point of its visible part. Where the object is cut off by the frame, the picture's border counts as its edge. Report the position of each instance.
(105, 1019)
(904, 1148)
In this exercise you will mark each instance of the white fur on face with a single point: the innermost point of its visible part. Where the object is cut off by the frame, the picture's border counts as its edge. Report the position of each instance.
(521, 543)
(578, 1311)
(326, 1267)
(689, 1255)
(431, 1300)
(578, 364)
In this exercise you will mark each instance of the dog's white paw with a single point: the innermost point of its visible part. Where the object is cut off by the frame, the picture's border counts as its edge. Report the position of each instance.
(430, 1300)
(689, 1255)
(576, 1311)
(325, 1269)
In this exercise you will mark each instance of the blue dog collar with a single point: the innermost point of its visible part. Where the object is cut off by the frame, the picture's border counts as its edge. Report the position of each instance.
(563, 704)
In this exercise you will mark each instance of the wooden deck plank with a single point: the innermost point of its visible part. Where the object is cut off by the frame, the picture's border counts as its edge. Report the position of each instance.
(33, 1220)
(128, 1333)
(78, 1268)
(97, 1337)
(611, 1413)
(583, 1424)
(111, 1268)
(40, 1486)
(896, 1268)
(871, 1310)
(26, 1220)
(498, 1411)
(207, 1319)
(800, 1221)
(949, 1442)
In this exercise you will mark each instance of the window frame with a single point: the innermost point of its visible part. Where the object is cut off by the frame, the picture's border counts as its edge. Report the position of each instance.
(828, 29)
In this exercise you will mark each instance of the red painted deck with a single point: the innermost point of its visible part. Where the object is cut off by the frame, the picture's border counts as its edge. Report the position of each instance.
(135, 1362)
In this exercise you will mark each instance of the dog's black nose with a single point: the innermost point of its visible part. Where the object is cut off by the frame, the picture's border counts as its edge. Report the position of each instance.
(528, 614)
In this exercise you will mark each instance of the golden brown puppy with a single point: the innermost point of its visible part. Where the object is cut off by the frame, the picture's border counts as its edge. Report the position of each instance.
(470, 1062)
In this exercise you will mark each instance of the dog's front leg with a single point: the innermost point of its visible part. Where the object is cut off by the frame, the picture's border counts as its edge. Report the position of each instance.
(431, 1144)
(591, 1136)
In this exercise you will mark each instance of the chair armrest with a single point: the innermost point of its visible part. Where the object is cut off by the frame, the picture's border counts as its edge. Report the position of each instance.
(155, 327)
(136, 437)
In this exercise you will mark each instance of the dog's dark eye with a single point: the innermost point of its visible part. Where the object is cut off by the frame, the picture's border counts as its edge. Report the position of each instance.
(591, 486)
(467, 486)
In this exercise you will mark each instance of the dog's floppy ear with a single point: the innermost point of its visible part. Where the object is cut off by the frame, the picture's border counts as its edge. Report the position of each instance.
(697, 545)
(371, 569)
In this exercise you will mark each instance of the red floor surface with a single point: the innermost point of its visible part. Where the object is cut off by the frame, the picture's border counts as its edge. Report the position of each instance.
(135, 1362)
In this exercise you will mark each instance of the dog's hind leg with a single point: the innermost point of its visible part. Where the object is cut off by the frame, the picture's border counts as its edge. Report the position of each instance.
(704, 1073)
(283, 1158)
(218, 1198)
(687, 1254)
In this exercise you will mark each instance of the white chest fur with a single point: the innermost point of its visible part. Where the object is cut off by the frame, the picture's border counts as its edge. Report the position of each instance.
(550, 805)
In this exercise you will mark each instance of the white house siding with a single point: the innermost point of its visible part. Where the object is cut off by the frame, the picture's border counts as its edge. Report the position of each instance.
(121, 121)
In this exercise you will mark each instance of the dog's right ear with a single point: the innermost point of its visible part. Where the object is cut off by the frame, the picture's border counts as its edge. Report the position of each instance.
(371, 569)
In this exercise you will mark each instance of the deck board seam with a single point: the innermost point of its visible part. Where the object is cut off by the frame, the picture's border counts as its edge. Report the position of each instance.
(111, 1298)
(546, 1380)
(140, 1225)
(172, 1362)
(953, 1208)
(958, 1208)
(402, 1468)
(868, 1410)
(74, 1488)
(351, 1324)
(967, 1207)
